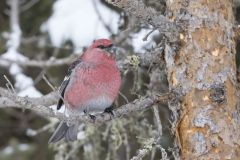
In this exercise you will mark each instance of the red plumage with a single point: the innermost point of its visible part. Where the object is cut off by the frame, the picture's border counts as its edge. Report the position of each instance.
(96, 78)
(92, 85)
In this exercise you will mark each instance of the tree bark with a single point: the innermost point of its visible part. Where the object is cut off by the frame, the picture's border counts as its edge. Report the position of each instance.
(203, 69)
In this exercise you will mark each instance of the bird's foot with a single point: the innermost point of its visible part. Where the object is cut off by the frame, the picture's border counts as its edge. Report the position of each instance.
(92, 117)
(109, 110)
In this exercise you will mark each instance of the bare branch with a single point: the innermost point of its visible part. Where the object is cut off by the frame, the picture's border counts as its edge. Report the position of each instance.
(158, 120)
(47, 100)
(9, 84)
(40, 106)
(28, 5)
(100, 17)
(122, 36)
(149, 16)
(49, 63)
(48, 82)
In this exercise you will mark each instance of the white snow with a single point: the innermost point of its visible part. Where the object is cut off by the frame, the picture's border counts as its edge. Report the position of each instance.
(139, 44)
(61, 110)
(14, 69)
(78, 21)
(81, 135)
(12, 54)
(30, 92)
(8, 150)
(23, 83)
(23, 147)
(15, 37)
(31, 132)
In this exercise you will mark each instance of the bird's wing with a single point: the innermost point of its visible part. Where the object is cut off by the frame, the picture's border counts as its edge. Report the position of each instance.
(65, 82)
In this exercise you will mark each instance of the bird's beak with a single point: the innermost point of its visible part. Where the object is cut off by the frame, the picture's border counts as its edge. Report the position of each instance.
(112, 51)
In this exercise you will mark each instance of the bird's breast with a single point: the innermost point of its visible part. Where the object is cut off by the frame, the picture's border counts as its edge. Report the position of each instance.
(93, 88)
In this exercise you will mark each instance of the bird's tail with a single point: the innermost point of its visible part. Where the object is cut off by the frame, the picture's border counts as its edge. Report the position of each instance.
(64, 131)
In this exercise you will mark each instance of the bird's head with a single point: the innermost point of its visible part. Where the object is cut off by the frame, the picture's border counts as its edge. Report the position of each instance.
(101, 49)
(102, 44)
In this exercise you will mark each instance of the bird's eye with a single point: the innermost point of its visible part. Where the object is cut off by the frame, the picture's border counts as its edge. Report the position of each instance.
(104, 46)
(101, 46)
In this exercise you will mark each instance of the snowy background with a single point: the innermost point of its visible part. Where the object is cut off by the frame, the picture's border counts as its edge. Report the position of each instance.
(80, 21)
(83, 21)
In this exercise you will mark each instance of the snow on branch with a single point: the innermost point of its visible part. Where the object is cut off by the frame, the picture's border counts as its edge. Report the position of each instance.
(23, 83)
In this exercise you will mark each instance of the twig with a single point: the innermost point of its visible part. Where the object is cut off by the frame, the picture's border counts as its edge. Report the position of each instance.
(153, 153)
(123, 35)
(48, 82)
(31, 132)
(127, 145)
(101, 18)
(145, 150)
(9, 83)
(148, 34)
(123, 96)
(158, 120)
(163, 152)
(28, 5)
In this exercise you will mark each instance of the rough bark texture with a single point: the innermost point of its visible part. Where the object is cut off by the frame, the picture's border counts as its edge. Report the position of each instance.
(203, 69)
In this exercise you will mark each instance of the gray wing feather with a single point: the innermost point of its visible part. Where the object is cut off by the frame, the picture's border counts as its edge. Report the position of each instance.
(65, 83)
(71, 134)
(59, 133)
(63, 130)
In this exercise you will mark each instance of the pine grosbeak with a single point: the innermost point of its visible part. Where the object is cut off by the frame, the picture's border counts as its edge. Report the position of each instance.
(91, 85)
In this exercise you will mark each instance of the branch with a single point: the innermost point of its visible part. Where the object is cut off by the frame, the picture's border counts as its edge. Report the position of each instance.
(145, 60)
(39, 105)
(149, 16)
(28, 5)
(45, 63)
(100, 17)
(7, 99)
(148, 145)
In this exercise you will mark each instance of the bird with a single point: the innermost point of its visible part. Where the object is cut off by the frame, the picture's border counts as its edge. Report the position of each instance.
(91, 85)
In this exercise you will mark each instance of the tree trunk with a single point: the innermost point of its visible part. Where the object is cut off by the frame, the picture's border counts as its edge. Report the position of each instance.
(203, 69)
